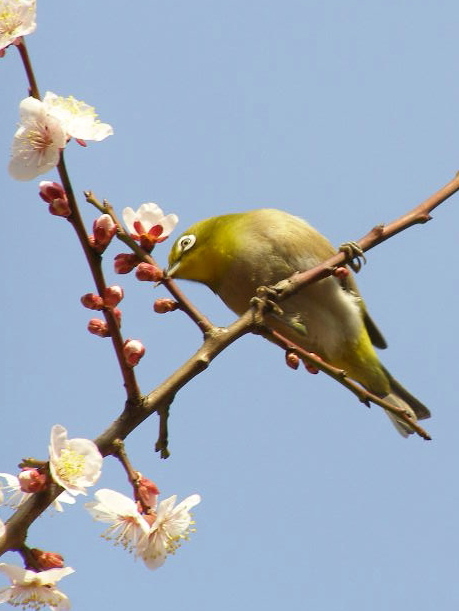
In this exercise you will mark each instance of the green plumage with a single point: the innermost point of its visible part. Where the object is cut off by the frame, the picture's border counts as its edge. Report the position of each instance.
(234, 254)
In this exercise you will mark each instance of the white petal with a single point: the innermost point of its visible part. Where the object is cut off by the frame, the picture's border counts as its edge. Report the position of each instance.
(168, 223)
(150, 214)
(114, 503)
(30, 107)
(58, 440)
(15, 573)
(129, 218)
(52, 576)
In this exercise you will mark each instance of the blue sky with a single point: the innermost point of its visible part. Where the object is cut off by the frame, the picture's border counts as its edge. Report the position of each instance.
(345, 113)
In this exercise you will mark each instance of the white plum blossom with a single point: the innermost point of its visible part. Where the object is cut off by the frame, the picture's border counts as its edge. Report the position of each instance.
(127, 527)
(37, 143)
(78, 119)
(74, 463)
(150, 536)
(30, 589)
(15, 496)
(46, 127)
(171, 527)
(149, 224)
(17, 18)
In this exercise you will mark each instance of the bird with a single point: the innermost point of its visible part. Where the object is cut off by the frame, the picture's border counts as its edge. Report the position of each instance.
(235, 254)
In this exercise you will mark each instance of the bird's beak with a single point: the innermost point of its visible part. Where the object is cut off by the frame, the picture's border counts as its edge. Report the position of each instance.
(170, 271)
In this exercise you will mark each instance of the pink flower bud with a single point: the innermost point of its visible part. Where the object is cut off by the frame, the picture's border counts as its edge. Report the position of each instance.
(104, 229)
(146, 271)
(133, 351)
(47, 560)
(60, 207)
(147, 493)
(98, 327)
(292, 360)
(113, 295)
(125, 262)
(32, 480)
(312, 368)
(50, 191)
(92, 301)
(341, 272)
(164, 305)
(53, 194)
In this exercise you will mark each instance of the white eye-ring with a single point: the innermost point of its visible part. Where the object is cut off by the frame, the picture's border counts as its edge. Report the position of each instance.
(186, 242)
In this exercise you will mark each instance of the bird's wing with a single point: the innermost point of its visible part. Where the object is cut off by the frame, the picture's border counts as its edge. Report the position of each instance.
(377, 339)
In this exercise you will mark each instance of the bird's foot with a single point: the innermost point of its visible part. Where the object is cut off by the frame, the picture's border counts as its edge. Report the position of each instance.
(265, 301)
(355, 254)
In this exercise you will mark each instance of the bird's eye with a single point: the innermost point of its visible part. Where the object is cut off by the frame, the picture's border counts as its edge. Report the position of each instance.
(186, 242)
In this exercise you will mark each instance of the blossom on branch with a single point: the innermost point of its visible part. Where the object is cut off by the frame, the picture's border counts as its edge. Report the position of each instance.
(31, 589)
(37, 143)
(149, 225)
(127, 527)
(17, 18)
(75, 464)
(45, 128)
(171, 527)
(78, 119)
(151, 536)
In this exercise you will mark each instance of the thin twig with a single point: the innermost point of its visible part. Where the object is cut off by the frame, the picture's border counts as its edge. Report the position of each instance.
(33, 87)
(185, 304)
(418, 215)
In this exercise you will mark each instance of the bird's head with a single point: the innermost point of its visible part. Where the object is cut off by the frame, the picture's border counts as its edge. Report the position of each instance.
(203, 252)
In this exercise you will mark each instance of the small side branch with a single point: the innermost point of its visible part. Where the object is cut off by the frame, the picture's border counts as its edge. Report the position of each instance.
(418, 215)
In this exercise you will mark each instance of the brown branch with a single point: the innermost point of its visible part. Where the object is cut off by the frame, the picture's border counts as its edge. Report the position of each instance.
(340, 376)
(418, 215)
(33, 87)
(94, 261)
(185, 304)
(158, 400)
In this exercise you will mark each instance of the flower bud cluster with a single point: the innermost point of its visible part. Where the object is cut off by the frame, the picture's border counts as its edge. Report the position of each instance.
(112, 296)
(54, 194)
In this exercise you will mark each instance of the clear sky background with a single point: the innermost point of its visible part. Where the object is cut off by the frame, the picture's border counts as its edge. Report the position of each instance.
(345, 113)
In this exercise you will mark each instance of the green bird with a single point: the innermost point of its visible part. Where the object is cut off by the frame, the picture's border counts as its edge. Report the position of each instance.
(234, 254)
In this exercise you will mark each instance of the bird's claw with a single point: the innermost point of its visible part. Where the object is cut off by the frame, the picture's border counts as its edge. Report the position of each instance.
(265, 301)
(355, 254)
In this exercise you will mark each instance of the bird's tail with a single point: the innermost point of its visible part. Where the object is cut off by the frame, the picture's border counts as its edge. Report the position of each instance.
(400, 397)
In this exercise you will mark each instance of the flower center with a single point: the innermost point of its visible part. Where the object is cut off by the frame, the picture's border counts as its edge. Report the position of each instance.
(9, 22)
(39, 139)
(70, 465)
